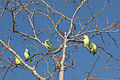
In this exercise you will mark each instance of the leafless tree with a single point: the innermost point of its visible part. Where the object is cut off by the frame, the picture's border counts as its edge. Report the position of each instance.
(34, 21)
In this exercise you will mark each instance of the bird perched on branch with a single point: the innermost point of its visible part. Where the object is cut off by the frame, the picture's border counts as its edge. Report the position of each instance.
(27, 55)
(93, 48)
(48, 45)
(18, 62)
(86, 41)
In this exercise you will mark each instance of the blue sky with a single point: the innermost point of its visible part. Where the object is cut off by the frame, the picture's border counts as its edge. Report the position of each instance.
(83, 59)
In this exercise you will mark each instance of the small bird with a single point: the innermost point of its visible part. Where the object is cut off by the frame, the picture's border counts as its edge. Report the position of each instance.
(86, 41)
(18, 62)
(27, 55)
(93, 48)
(48, 44)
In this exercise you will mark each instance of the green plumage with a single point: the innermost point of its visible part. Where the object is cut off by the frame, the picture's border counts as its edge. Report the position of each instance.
(48, 44)
(93, 48)
(27, 55)
(86, 41)
(18, 62)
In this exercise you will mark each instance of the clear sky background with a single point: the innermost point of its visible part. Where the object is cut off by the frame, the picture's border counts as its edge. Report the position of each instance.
(83, 59)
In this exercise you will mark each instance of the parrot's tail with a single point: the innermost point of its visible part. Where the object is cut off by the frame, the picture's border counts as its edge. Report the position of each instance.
(30, 60)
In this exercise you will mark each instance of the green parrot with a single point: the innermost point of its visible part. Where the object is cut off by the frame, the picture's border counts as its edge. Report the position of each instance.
(27, 55)
(93, 48)
(86, 41)
(18, 62)
(48, 44)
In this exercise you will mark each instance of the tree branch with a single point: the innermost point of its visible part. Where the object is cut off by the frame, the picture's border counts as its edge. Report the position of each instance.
(29, 67)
